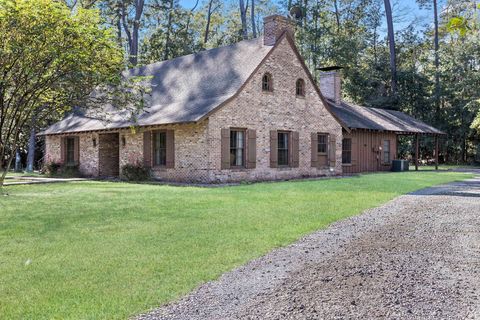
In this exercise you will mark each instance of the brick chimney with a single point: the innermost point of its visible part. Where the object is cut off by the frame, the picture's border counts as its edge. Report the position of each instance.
(331, 85)
(274, 26)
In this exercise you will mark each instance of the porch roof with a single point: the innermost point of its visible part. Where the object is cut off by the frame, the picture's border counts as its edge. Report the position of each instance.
(358, 117)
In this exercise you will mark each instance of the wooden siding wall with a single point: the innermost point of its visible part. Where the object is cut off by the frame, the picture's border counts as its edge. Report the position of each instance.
(366, 155)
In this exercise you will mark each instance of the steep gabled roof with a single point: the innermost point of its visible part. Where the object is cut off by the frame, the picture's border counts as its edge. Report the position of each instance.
(183, 89)
(357, 117)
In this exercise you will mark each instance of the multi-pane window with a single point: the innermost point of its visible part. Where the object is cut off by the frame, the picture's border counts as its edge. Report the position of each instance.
(347, 151)
(70, 150)
(160, 149)
(237, 148)
(267, 84)
(283, 147)
(322, 143)
(300, 88)
(386, 151)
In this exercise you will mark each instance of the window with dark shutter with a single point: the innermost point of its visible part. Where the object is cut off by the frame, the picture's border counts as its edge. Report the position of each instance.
(300, 88)
(160, 148)
(386, 151)
(347, 151)
(237, 148)
(283, 148)
(322, 143)
(267, 83)
(70, 151)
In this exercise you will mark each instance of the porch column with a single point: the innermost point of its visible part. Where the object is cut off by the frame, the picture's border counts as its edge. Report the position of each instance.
(436, 152)
(416, 152)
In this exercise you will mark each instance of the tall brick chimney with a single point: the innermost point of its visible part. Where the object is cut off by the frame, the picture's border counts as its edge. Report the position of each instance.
(331, 83)
(274, 26)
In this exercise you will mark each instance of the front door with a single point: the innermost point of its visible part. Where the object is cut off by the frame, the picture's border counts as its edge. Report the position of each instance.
(108, 155)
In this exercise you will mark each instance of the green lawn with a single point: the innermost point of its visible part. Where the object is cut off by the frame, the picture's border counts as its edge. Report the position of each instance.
(444, 167)
(98, 250)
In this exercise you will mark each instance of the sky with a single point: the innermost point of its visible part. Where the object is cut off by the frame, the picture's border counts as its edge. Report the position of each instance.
(407, 11)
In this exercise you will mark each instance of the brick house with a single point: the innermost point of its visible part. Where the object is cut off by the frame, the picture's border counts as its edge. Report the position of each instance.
(249, 111)
(246, 112)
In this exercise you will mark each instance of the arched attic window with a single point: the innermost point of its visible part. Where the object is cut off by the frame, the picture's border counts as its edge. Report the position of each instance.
(267, 82)
(300, 88)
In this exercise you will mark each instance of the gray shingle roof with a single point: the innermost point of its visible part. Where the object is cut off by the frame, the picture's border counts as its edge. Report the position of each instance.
(357, 117)
(184, 89)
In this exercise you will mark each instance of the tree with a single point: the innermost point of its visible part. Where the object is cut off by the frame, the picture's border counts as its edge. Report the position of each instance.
(391, 44)
(50, 60)
(131, 26)
(434, 3)
(243, 16)
(213, 6)
(252, 17)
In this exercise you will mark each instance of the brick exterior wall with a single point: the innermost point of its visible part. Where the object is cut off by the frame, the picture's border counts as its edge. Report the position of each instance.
(279, 110)
(331, 85)
(52, 149)
(274, 26)
(197, 146)
(191, 152)
(88, 154)
(88, 159)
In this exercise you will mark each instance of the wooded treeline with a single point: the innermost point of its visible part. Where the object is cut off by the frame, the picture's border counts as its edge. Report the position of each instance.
(428, 69)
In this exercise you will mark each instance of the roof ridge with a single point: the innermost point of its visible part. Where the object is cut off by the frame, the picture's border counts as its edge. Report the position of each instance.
(206, 51)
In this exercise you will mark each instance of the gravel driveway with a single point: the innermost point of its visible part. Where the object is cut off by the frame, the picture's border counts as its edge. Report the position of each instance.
(416, 257)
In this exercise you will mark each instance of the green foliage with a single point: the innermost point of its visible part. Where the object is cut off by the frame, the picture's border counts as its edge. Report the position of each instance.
(59, 170)
(131, 172)
(52, 168)
(476, 122)
(102, 250)
(50, 60)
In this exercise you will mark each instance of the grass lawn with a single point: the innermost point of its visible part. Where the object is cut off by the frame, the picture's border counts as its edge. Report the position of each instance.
(443, 167)
(102, 250)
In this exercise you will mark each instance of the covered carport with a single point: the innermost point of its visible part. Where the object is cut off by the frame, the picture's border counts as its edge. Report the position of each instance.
(374, 129)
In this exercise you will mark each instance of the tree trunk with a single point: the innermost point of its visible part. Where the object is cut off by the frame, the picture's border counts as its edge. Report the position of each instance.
(209, 16)
(437, 64)
(139, 4)
(133, 35)
(18, 161)
(252, 13)
(31, 151)
(337, 14)
(391, 41)
(169, 31)
(243, 16)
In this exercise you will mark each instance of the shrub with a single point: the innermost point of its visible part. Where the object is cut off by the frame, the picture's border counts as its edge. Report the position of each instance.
(52, 168)
(56, 169)
(70, 172)
(133, 172)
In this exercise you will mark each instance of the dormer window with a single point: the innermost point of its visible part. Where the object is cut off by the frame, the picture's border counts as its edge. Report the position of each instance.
(267, 84)
(300, 88)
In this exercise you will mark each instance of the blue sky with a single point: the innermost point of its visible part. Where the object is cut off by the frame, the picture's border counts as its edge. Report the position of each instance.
(407, 11)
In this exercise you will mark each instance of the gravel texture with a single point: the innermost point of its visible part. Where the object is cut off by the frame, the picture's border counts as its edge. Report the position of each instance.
(416, 257)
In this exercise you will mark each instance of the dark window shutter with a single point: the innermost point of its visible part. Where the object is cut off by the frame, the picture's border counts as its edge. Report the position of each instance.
(147, 149)
(76, 150)
(314, 150)
(225, 149)
(170, 163)
(273, 148)
(63, 149)
(332, 150)
(295, 149)
(353, 157)
(251, 149)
